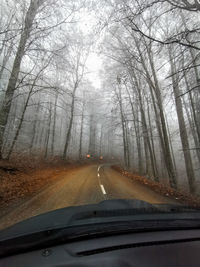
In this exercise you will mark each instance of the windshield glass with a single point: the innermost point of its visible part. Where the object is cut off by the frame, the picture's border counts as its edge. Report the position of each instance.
(99, 100)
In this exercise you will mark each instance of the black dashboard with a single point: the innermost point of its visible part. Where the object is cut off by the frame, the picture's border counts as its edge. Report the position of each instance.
(158, 248)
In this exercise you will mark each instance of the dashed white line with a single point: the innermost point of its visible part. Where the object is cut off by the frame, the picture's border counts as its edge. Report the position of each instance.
(103, 189)
(101, 186)
(98, 168)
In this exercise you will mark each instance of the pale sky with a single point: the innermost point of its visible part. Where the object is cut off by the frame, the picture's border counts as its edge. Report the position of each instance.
(94, 65)
(94, 62)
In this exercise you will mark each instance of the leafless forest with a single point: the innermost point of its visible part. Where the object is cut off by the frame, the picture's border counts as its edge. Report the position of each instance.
(144, 111)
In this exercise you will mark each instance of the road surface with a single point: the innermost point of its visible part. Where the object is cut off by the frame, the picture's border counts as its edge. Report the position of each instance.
(86, 185)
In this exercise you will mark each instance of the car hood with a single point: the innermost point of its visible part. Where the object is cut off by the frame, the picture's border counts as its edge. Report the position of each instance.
(85, 214)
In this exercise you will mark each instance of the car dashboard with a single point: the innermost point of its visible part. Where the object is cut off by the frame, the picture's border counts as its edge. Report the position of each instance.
(152, 249)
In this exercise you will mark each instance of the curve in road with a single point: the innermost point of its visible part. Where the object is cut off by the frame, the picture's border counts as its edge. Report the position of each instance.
(86, 185)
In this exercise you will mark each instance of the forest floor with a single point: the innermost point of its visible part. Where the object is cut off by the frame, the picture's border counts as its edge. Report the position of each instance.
(20, 181)
(164, 190)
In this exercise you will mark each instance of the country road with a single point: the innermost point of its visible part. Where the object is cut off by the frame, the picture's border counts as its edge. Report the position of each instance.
(86, 185)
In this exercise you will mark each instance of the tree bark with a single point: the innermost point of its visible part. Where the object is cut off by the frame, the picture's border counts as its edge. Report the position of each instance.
(81, 132)
(54, 125)
(70, 122)
(182, 127)
(153, 84)
(5, 109)
(48, 131)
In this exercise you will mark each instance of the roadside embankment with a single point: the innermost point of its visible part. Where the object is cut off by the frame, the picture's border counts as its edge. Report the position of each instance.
(22, 180)
(182, 197)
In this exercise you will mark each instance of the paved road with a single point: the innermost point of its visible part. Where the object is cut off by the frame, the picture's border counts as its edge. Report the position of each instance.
(86, 185)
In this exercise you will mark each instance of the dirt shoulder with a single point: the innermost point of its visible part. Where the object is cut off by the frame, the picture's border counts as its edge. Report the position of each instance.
(164, 190)
(20, 182)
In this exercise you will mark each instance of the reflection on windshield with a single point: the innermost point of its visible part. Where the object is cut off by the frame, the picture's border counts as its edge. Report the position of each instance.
(99, 100)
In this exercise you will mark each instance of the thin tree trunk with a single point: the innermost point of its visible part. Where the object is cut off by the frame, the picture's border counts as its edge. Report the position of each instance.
(6, 106)
(70, 122)
(191, 123)
(145, 129)
(171, 146)
(182, 128)
(123, 126)
(5, 60)
(34, 127)
(163, 134)
(136, 132)
(165, 138)
(81, 133)
(48, 131)
(152, 142)
(54, 125)
(22, 118)
(101, 140)
(127, 144)
(195, 63)
(42, 133)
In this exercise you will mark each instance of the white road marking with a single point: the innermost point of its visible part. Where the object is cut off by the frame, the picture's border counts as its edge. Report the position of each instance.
(103, 189)
(99, 168)
(99, 179)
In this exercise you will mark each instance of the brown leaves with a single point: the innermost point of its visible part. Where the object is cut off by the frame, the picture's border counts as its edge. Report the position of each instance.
(162, 189)
(27, 180)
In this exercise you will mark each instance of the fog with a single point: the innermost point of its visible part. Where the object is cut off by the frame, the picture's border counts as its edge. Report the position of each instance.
(112, 79)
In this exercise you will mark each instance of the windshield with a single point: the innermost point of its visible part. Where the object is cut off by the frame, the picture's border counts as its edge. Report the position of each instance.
(99, 100)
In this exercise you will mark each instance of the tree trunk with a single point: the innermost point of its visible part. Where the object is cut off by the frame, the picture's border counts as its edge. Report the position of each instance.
(191, 123)
(5, 109)
(22, 118)
(163, 135)
(127, 144)
(92, 137)
(81, 133)
(153, 84)
(70, 122)
(136, 132)
(182, 127)
(119, 96)
(101, 142)
(145, 129)
(48, 131)
(54, 125)
(152, 142)
(34, 127)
